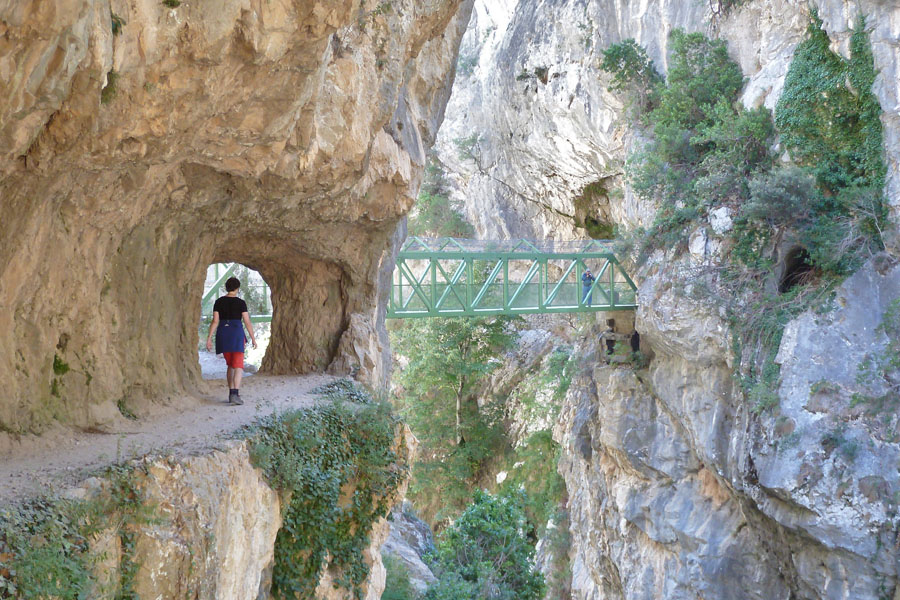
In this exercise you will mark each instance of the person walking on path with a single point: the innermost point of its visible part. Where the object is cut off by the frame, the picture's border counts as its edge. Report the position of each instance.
(229, 313)
(587, 280)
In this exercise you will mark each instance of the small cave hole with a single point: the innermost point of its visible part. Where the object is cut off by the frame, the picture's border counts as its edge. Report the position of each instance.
(797, 269)
(256, 293)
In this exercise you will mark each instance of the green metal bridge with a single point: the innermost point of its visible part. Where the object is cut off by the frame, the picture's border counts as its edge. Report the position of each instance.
(217, 275)
(447, 277)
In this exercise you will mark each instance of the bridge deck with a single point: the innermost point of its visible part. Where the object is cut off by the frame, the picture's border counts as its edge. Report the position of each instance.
(452, 277)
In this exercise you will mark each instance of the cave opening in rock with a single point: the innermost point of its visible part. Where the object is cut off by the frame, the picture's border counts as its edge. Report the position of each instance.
(256, 293)
(591, 207)
(796, 269)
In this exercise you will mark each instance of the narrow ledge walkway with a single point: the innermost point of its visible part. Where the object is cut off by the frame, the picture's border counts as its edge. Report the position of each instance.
(34, 465)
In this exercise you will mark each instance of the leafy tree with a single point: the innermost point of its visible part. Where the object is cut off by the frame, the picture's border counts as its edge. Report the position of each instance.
(705, 144)
(633, 72)
(434, 214)
(448, 360)
(486, 555)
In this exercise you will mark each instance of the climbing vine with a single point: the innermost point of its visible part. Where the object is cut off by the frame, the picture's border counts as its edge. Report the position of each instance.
(45, 544)
(336, 466)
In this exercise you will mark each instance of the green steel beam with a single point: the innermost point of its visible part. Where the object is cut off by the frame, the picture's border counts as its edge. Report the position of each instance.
(448, 267)
(210, 293)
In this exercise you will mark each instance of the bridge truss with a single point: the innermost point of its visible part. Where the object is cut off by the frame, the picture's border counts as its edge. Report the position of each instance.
(447, 277)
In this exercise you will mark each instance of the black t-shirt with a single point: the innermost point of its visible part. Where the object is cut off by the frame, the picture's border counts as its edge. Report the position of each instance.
(230, 307)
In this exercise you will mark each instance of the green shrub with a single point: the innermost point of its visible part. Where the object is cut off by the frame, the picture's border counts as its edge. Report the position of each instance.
(486, 553)
(466, 146)
(313, 456)
(116, 23)
(45, 544)
(466, 64)
(633, 73)
(705, 145)
(831, 126)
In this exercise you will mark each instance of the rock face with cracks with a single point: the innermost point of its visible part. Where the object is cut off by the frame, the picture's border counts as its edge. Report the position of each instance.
(139, 143)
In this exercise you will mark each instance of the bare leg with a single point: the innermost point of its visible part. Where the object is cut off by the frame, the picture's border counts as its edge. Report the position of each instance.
(238, 374)
(230, 377)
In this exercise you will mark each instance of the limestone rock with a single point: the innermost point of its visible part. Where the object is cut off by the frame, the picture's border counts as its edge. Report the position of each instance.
(409, 540)
(289, 136)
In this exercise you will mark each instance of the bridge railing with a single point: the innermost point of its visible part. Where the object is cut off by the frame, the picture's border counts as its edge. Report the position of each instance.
(473, 278)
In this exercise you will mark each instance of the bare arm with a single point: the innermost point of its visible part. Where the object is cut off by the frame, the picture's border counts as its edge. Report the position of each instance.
(212, 329)
(246, 317)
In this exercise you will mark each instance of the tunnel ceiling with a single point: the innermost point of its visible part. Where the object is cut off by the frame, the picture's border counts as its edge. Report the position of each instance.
(287, 135)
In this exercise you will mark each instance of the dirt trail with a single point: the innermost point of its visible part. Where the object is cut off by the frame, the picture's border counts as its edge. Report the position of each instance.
(62, 457)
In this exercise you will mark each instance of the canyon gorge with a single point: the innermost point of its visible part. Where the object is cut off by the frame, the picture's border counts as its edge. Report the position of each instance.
(141, 141)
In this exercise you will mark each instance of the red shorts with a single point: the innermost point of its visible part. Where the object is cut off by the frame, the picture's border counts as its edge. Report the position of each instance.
(235, 360)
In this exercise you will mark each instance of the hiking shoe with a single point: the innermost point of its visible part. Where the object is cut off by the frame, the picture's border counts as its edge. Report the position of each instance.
(235, 399)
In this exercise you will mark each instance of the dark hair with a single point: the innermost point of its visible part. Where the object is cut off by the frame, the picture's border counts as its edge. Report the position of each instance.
(232, 284)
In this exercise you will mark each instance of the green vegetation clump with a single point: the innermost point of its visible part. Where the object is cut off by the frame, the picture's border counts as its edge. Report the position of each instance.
(707, 151)
(172, 3)
(60, 367)
(486, 553)
(633, 74)
(434, 214)
(466, 64)
(336, 465)
(466, 147)
(45, 544)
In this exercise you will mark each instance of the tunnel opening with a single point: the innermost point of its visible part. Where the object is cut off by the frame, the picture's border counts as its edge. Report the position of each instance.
(796, 270)
(255, 291)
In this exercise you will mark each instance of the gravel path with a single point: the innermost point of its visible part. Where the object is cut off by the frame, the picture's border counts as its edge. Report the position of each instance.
(30, 465)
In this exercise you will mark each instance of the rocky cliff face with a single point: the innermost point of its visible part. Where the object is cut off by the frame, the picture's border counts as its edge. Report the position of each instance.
(677, 489)
(207, 530)
(140, 142)
(534, 137)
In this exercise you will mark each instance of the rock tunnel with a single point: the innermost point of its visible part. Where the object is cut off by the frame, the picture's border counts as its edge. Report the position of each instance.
(288, 136)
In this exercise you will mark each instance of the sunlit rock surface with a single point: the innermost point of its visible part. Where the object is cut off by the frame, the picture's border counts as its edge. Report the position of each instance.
(286, 135)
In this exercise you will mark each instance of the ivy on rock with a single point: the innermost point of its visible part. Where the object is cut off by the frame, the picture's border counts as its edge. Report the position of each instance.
(337, 468)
